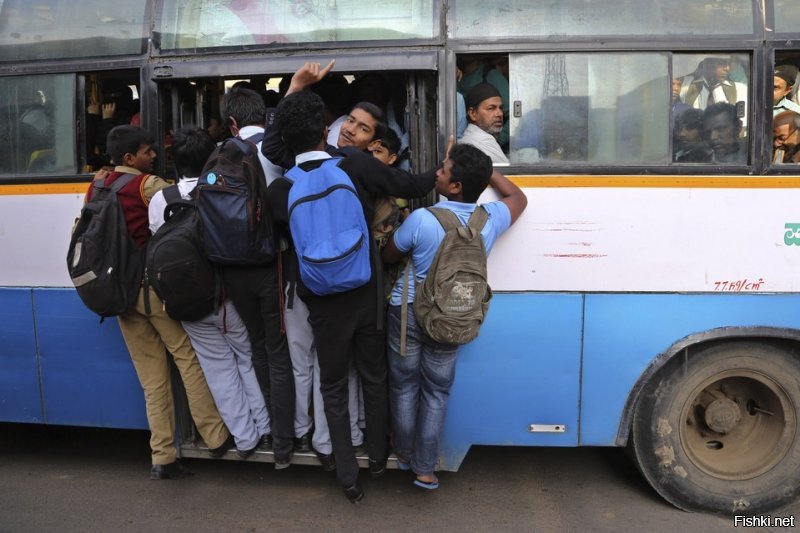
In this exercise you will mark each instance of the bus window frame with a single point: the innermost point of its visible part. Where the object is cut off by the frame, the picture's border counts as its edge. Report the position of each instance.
(439, 39)
(79, 70)
(750, 47)
(773, 48)
(209, 67)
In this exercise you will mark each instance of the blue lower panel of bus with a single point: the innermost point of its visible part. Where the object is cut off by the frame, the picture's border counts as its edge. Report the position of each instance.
(547, 369)
(60, 366)
(623, 333)
(522, 370)
(20, 399)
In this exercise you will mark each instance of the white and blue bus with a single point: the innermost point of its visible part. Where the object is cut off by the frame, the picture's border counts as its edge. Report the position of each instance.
(641, 300)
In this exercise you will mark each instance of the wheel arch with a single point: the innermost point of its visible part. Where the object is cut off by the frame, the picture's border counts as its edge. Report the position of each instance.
(690, 344)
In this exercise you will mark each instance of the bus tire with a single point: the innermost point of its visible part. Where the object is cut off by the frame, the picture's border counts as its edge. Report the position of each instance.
(718, 432)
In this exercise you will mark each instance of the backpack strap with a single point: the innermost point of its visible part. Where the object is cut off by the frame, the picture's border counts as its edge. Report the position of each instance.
(446, 218)
(256, 138)
(478, 218)
(172, 195)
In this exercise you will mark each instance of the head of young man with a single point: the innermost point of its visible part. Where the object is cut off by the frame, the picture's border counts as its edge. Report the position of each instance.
(191, 148)
(131, 146)
(722, 128)
(301, 121)
(243, 107)
(782, 82)
(464, 175)
(363, 124)
(786, 131)
(485, 108)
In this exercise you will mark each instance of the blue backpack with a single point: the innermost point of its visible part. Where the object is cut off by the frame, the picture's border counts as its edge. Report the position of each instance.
(329, 230)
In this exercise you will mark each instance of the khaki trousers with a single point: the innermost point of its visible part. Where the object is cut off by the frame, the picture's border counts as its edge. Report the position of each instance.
(148, 337)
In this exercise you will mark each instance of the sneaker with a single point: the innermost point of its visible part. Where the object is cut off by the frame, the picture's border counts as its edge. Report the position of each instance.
(377, 468)
(282, 463)
(265, 442)
(173, 470)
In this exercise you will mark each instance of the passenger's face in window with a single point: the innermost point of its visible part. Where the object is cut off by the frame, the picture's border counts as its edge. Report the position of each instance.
(381, 153)
(676, 89)
(488, 116)
(722, 70)
(779, 89)
(689, 135)
(358, 130)
(720, 133)
(785, 136)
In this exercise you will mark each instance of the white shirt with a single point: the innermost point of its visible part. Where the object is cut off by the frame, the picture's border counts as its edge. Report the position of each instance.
(785, 105)
(485, 142)
(271, 172)
(333, 131)
(155, 211)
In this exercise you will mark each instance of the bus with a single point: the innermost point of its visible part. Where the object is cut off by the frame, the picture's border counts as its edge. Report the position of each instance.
(646, 299)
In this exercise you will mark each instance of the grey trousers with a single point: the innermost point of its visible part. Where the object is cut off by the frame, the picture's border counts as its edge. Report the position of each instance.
(305, 366)
(226, 360)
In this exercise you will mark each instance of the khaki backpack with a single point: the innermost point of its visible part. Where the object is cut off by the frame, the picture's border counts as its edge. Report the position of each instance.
(452, 302)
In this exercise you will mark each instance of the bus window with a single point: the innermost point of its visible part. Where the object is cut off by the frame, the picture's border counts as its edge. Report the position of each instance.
(709, 106)
(787, 16)
(786, 109)
(111, 99)
(192, 24)
(592, 108)
(38, 133)
(49, 29)
(519, 18)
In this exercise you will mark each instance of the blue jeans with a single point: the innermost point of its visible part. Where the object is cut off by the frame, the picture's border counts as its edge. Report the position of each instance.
(419, 387)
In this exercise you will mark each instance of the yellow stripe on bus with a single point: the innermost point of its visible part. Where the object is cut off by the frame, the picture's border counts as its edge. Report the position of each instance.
(533, 182)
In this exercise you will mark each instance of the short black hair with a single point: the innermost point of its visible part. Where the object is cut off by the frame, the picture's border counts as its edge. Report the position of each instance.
(190, 149)
(691, 119)
(722, 108)
(126, 139)
(391, 141)
(300, 119)
(472, 168)
(377, 114)
(245, 106)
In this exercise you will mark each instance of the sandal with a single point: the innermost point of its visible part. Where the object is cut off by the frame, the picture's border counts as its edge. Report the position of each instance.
(427, 485)
(403, 464)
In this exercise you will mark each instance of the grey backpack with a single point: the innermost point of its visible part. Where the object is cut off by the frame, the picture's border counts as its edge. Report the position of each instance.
(452, 302)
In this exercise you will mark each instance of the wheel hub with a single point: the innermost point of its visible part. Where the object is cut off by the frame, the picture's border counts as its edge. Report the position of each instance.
(722, 415)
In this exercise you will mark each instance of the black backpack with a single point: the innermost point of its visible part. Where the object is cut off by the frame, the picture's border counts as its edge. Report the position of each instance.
(231, 201)
(103, 261)
(177, 266)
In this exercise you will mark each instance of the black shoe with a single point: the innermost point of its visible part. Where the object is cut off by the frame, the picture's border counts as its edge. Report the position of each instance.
(303, 444)
(244, 454)
(174, 470)
(377, 468)
(265, 442)
(327, 461)
(223, 448)
(355, 493)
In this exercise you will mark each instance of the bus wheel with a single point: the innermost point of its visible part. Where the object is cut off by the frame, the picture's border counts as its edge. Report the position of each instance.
(719, 432)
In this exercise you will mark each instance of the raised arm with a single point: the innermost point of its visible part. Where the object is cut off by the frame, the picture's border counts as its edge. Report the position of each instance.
(510, 194)
(307, 75)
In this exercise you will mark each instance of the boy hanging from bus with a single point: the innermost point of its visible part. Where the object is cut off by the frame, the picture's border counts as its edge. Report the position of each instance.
(148, 330)
(420, 380)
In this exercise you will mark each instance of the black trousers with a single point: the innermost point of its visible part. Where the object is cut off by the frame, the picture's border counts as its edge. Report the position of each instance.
(345, 329)
(255, 293)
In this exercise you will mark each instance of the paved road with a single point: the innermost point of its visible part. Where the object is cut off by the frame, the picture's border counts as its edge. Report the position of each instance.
(69, 479)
